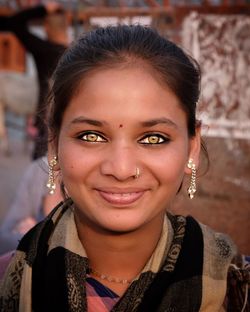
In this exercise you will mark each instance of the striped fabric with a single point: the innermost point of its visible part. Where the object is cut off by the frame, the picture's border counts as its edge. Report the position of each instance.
(99, 297)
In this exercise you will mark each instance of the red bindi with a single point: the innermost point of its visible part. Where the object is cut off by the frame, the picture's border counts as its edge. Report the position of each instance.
(120, 126)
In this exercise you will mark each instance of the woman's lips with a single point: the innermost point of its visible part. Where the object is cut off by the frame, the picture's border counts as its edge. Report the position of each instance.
(121, 198)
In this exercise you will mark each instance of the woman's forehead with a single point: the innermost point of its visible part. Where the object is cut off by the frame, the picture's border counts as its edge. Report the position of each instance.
(123, 95)
(128, 83)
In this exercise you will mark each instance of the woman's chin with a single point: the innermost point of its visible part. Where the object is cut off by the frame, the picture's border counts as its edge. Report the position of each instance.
(122, 226)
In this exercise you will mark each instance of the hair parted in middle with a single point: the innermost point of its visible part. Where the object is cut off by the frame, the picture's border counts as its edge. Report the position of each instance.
(124, 46)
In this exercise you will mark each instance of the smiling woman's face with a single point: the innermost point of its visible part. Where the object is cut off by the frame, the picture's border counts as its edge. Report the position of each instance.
(120, 120)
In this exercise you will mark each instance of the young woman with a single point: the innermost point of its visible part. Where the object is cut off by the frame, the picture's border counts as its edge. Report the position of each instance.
(123, 134)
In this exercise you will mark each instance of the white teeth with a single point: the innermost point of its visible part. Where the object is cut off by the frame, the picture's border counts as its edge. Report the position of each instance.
(121, 193)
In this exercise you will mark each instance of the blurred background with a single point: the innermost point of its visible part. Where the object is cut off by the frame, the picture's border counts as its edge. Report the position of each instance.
(215, 32)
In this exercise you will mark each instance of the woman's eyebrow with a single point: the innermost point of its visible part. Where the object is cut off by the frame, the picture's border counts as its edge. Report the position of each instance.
(156, 121)
(85, 120)
(147, 123)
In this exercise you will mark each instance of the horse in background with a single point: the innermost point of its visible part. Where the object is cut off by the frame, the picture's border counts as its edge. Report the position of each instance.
(18, 95)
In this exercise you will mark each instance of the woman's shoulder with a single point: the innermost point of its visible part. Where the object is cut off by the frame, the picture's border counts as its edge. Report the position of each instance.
(5, 259)
(218, 245)
(214, 249)
(222, 261)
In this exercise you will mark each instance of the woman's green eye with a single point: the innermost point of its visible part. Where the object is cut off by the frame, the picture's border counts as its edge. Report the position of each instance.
(92, 137)
(153, 139)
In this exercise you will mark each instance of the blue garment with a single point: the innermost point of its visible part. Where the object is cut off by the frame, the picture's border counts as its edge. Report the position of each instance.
(100, 289)
(28, 202)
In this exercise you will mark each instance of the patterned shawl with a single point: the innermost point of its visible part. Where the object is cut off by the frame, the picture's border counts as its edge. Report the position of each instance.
(186, 272)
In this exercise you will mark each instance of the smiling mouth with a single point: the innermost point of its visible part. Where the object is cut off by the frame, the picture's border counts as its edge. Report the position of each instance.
(121, 198)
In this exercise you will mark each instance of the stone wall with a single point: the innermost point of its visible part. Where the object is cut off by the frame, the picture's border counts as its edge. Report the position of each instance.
(221, 44)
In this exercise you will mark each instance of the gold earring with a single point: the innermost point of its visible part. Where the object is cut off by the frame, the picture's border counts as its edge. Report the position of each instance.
(192, 188)
(51, 185)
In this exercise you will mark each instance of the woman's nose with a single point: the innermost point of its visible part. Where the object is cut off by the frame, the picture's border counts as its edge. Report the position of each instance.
(120, 162)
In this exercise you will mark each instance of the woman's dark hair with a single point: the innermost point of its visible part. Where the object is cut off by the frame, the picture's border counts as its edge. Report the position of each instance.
(116, 46)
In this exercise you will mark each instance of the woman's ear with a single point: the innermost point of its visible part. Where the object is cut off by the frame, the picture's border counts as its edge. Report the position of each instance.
(194, 149)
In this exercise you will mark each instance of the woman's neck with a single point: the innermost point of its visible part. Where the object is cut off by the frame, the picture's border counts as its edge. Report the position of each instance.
(119, 255)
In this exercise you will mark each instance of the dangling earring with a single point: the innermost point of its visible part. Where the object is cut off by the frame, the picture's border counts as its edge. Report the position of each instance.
(51, 185)
(192, 188)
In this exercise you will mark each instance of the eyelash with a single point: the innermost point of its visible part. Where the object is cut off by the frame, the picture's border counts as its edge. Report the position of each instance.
(94, 134)
(100, 138)
(161, 139)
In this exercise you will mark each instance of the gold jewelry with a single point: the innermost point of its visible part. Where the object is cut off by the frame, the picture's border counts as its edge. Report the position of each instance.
(51, 185)
(109, 278)
(192, 188)
(137, 173)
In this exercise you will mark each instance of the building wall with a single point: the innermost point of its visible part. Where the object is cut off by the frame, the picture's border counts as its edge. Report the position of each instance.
(221, 45)
(223, 193)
